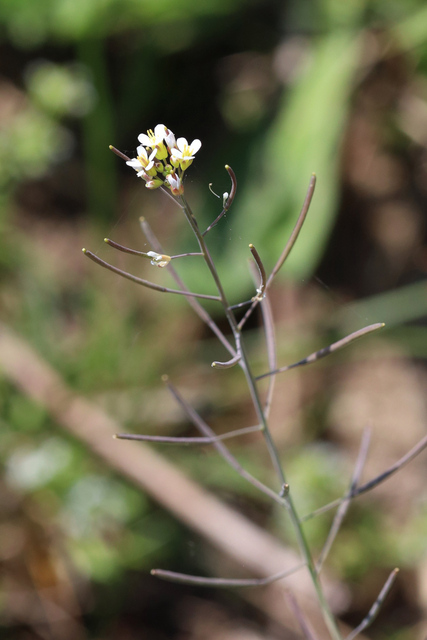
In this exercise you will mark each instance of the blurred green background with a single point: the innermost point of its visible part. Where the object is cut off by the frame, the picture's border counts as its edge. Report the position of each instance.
(276, 89)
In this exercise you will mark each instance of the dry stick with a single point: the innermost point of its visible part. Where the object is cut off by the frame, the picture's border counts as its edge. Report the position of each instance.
(322, 353)
(288, 247)
(183, 440)
(371, 484)
(196, 306)
(197, 508)
(183, 578)
(343, 508)
(374, 610)
(146, 283)
(229, 201)
(221, 448)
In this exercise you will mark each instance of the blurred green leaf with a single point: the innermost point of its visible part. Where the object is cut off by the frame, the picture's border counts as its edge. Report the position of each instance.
(305, 138)
(60, 89)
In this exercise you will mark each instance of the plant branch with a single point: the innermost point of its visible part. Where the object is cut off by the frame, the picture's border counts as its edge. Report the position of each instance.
(287, 500)
(299, 615)
(270, 340)
(371, 484)
(226, 365)
(288, 247)
(374, 610)
(322, 353)
(183, 440)
(183, 578)
(145, 283)
(343, 508)
(262, 274)
(229, 200)
(204, 428)
(119, 153)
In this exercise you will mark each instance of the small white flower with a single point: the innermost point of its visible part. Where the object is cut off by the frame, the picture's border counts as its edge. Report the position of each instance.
(153, 139)
(159, 259)
(183, 154)
(175, 184)
(143, 163)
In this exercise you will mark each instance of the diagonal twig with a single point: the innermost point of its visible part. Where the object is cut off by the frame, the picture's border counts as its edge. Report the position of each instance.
(343, 508)
(371, 484)
(184, 578)
(183, 440)
(288, 247)
(374, 610)
(296, 230)
(322, 353)
(299, 615)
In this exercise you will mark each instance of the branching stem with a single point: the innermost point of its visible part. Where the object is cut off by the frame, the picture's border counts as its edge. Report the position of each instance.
(244, 364)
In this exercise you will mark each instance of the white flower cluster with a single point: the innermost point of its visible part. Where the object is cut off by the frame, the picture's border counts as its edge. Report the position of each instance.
(162, 160)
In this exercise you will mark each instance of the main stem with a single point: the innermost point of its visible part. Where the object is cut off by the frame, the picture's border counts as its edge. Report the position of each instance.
(244, 363)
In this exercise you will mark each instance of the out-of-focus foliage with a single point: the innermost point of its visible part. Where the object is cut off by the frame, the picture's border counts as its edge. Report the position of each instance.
(29, 25)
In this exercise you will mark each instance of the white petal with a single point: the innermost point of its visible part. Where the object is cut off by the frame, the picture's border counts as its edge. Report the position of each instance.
(135, 164)
(152, 155)
(181, 144)
(173, 180)
(141, 151)
(175, 153)
(195, 146)
(160, 131)
(145, 140)
(170, 138)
